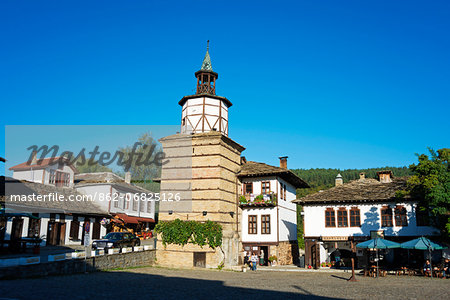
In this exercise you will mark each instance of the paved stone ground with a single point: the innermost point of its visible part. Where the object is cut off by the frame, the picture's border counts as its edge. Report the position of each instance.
(154, 283)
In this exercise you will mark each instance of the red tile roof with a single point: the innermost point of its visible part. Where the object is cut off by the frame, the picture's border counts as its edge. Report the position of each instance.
(42, 164)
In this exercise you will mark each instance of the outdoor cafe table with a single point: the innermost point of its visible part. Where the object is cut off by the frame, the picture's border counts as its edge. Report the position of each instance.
(374, 269)
(21, 244)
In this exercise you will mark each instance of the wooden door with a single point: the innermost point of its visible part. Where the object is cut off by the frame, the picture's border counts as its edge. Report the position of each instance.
(315, 255)
(200, 259)
(17, 226)
(52, 233)
(96, 230)
(62, 234)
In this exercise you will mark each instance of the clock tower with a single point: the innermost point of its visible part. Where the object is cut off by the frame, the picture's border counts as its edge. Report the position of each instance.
(201, 168)
(205, 111)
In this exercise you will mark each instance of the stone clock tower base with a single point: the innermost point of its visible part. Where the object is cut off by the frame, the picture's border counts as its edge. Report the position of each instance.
(202, 169)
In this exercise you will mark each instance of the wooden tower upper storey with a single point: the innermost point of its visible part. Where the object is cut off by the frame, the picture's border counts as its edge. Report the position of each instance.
(205, 111)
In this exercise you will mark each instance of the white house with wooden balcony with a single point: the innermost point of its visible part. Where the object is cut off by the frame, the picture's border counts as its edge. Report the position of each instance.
(269, 217)
(357, 211)
(57, 171)
(132, 205)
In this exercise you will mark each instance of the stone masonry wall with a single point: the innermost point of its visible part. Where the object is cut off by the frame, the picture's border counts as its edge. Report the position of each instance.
(215, 162)
(287, 253)
(72, 266)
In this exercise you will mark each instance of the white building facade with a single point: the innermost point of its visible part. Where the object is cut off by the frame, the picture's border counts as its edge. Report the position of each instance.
(55, 171)
(119, 197)
(350, 213)
(269, 217)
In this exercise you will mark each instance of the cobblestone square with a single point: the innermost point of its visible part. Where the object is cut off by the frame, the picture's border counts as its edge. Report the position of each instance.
(154, 283)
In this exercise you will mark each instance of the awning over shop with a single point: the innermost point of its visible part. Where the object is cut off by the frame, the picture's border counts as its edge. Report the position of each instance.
(133, 220)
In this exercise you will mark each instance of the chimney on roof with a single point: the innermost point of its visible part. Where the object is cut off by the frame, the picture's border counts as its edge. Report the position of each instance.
(128, 177)
(283, 162)
(385, 176)
(339, 180)
(362, 176)
(243, 160)
(33, 158)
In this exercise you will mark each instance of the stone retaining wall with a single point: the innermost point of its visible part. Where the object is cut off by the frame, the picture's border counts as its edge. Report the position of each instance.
(72, 266)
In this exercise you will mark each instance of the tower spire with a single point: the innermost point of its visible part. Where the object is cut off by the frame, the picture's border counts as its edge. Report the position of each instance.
(206, 65)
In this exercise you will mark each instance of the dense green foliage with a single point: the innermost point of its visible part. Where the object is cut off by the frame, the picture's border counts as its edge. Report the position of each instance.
(180, 232)
(322, 179)
(86, 167)
(431, 184)
(142, 174)
(325, 177)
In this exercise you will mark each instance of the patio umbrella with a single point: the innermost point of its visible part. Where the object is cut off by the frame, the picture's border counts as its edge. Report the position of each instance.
(423, 243)
(378, 243)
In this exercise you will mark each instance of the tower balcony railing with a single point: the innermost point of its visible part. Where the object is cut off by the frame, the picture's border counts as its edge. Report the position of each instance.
(206, 89)
(258, 200)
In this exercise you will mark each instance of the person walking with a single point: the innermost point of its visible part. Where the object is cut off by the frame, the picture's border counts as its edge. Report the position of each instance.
(445, 268)
(254, 260)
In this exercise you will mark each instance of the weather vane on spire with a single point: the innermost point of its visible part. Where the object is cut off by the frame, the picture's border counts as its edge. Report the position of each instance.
(206, 65)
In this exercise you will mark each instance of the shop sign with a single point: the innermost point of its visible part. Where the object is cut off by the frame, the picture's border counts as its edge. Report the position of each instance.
(334, 238)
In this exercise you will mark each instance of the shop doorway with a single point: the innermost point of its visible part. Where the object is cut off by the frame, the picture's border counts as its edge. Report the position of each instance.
(315, 256)
(264, 254)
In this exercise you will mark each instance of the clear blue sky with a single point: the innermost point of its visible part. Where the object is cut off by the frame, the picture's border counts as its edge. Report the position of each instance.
(339, 84)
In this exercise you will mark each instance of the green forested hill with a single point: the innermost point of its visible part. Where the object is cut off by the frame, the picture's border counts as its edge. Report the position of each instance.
(326, 177)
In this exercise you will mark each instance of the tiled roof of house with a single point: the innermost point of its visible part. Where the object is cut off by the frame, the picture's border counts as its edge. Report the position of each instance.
(361, 190)
(100, 177)
(256, 169)
(42, 164)
(115, 180)
(10, 186)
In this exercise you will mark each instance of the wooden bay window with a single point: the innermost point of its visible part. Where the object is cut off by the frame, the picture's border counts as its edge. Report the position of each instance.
(342, 217)
(330, 218)
(248, 188)
(252, 224)
(386, 217)
(401, 218)
(355, 217)
(265, 224)
(265, 187)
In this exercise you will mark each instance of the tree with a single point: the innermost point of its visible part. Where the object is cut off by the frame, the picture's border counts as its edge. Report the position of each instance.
(143, 161)
(86, 167)
(431, 185)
